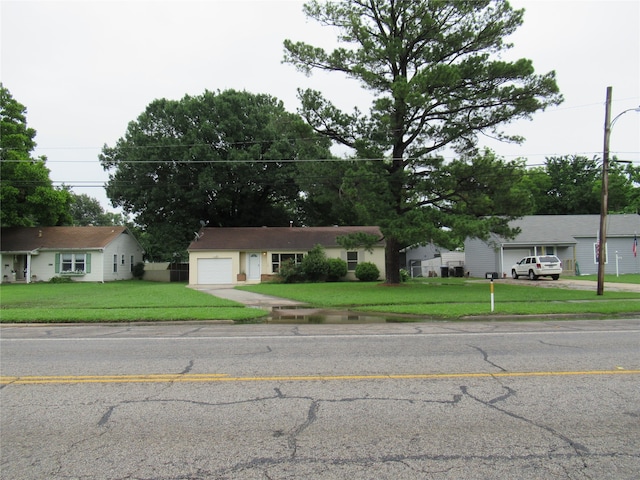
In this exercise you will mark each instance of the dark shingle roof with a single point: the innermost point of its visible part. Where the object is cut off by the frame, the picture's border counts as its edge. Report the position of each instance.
(25, 239)
(275, 238)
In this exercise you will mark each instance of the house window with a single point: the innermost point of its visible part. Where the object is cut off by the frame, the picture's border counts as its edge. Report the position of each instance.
(72, 262)
(550, 250)
(131, 266)
(278, 259)
(67, 262)
(115, 264)
(352, 261)
(78, 265)
(122, 260)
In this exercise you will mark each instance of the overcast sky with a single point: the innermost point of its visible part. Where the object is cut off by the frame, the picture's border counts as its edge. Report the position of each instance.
(85, 69)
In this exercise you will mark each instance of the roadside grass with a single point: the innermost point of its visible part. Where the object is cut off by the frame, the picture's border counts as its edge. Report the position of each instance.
(453, 298)
(434, 298)
(626, 278)
(124, 301)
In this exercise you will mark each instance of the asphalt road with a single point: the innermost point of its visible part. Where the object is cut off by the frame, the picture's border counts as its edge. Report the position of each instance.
(530, 400)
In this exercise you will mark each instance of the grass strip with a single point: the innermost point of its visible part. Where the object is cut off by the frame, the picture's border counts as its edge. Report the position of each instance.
(125, 301)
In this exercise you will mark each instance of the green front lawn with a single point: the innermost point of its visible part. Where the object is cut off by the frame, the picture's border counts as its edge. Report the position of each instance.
(454, 298)
(125, 301)
(131, 301)
(627, 278)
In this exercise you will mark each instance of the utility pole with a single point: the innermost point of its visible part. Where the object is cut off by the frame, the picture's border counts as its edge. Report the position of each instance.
(604, 204)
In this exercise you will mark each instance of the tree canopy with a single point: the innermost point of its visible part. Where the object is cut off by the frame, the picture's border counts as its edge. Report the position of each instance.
(226, 158)
(435, 72)
(572, 185)
(27, 196)
(86, 210)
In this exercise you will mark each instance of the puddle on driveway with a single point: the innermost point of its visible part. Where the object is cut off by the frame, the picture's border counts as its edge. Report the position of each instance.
(302, 315)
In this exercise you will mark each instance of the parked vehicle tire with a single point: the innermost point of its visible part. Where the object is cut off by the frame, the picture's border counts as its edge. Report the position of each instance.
(514, 275)
(555, 277)
(532, 276)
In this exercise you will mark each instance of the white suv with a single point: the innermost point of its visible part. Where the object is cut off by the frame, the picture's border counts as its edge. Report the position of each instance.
(538, 266)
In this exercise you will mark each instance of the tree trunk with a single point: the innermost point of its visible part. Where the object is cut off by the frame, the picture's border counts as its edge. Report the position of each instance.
(392, 261)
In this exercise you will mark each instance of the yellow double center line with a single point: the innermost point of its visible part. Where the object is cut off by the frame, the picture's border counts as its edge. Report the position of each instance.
(220, 377)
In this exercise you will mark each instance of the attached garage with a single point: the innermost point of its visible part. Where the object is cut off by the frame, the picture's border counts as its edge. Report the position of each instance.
(214, 271)
(513, 255)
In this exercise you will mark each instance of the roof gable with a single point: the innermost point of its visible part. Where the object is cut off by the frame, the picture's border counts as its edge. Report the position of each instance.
(275, 238)
(24, 239)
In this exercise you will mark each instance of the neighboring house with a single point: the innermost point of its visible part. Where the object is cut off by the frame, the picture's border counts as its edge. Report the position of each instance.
(87, 254)
(251, 254)
(429, 260)
(572, 238)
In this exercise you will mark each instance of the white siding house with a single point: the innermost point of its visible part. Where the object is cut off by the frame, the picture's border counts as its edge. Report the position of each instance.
(86, 254)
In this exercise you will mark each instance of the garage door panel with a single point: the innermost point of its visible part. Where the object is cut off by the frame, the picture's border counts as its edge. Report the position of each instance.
(512, 256)
(214, 271)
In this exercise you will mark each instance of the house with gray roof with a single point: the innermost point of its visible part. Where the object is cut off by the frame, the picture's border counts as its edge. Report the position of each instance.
(85, 254)
(252, 254)
(572, 238)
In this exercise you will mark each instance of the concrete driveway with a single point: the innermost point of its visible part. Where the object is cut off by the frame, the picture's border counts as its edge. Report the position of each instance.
(249, 299)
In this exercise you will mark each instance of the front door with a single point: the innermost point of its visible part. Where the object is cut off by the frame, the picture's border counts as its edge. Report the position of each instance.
(253, 267)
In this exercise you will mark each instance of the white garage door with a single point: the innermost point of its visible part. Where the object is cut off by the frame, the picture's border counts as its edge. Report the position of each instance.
(214, 271)
(512, 256)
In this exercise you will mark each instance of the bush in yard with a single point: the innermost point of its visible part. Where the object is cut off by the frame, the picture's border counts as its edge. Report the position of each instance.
(367, 272)
(314, 264)
(404, 275)
(138, 270)
(337, 269)
(290, 272)
(60, 280)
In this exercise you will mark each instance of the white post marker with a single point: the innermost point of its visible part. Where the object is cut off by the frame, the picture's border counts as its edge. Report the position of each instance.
(492, 302)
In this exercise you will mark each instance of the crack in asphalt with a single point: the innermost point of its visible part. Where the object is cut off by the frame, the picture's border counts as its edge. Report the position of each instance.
(558, 345)
(579, 449)
(485, 357)
(187, 368)
(262, 464)
(192, 331)
(312, 415)
(502, 398)
(105, 418)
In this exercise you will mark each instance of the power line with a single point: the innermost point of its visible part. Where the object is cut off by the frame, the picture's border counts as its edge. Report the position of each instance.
(224, 143)
(321, 160)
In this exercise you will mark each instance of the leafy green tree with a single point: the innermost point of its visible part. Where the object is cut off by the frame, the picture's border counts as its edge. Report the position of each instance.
(429, 65)
(226, 158)
(633, 173)
(86, 210)
(324, 201)
(27, 196)
(624, 189)
(572, 185)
